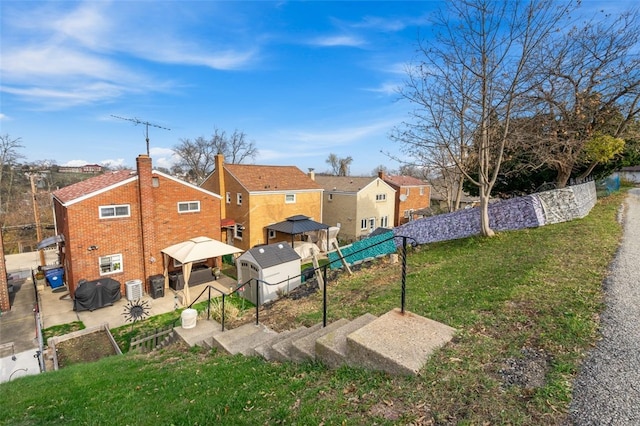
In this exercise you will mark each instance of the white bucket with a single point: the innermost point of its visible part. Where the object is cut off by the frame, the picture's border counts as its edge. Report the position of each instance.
(189, 317)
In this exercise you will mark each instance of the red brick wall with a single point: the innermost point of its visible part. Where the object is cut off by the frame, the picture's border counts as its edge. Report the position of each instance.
(165, 226)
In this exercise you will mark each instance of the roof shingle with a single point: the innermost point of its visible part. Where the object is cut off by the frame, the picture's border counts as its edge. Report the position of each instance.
(91, 185)
(271, 178)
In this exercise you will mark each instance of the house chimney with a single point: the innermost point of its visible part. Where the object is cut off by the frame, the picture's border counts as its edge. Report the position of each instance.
(147, 213)
(219, 163)
(381, 174)
(312, 173)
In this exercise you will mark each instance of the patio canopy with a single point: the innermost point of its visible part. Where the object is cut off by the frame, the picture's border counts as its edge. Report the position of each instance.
(296, 225)
(49, 241)
(190, 251)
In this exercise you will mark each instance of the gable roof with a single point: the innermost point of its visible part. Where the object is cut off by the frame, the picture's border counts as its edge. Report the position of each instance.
(93, 186)
(273, 254)
(344, 183)
(256, 178)
(398, 181)
(101, 183)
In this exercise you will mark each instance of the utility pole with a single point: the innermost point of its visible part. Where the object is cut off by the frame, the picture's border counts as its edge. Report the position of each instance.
(36, 216)
(146, 124)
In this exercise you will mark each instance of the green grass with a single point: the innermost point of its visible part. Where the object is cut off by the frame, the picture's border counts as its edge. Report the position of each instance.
(538, 288)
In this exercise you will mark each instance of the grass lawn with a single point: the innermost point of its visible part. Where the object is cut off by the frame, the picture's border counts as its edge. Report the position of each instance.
(536, 291)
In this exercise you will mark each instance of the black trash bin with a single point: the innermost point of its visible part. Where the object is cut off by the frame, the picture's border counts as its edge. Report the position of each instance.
(156, 286)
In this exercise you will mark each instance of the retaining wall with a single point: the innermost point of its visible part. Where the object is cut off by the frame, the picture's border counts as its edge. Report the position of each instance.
(555, 206)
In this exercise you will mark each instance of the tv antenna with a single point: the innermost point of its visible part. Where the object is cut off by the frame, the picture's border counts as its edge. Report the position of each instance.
(146, 124)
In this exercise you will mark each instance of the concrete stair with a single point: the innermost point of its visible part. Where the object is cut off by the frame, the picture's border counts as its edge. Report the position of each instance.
(397, 343)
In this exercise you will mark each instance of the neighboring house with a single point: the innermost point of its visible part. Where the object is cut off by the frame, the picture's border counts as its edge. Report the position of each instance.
(256, 196)
(87, 168)
(115, 224)
(357, 205)
(412, 194)
(442, 196)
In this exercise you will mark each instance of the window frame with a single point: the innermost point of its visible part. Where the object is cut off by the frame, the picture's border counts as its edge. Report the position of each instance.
(228, 197)
(286, 198)
(112, 263)
(381, 197)
(115, 208)
(188, 204)
(239, 199)
(384, 221)
(238, 231)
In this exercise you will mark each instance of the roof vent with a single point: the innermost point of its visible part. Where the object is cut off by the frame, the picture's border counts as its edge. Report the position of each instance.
(261, 250)
(280, 246)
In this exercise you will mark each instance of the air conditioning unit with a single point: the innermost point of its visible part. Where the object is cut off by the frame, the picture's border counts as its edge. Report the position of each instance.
(134, 290)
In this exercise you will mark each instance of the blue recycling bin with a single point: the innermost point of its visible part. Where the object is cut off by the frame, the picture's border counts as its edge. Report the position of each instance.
(54, 277)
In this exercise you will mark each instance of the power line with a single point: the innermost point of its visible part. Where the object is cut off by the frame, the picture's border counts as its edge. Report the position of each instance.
(146, 124)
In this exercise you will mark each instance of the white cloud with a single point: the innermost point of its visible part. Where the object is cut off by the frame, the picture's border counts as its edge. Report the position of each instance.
(118, 162)
(339, 40)
(75, 163)
(163, 157)
(3, 117)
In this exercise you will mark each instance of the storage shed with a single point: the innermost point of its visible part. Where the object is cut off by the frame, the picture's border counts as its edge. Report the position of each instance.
(275, 266)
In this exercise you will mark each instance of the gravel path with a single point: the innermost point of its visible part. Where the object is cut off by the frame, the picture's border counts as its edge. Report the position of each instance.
(607, 389)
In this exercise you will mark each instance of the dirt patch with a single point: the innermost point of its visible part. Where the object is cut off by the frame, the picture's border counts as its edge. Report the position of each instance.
(85, 348)
(528, 372)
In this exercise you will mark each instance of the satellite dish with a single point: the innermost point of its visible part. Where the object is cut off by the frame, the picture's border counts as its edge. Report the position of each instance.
(403, 197)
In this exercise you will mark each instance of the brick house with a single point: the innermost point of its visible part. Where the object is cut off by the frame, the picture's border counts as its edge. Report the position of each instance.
(115, 224)
(411, 194)
(357, 205)
(256, 196)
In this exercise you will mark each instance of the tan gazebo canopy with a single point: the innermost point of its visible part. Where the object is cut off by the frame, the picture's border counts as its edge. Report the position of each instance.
(192, 250)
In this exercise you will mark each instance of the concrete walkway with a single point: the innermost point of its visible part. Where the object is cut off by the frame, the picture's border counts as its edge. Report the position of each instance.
(18, 326)
(607, 389)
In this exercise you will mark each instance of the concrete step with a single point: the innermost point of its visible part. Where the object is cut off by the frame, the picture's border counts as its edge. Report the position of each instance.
(282, 349)
(396, 343)
(331, 348)
(265, 349)
(243, 339)
(304, 348)
(203, 329)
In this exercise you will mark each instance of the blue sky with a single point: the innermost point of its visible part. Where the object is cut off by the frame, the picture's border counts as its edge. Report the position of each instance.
(301, 79)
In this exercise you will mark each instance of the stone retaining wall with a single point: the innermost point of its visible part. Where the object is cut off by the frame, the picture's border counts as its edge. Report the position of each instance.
(555, 206)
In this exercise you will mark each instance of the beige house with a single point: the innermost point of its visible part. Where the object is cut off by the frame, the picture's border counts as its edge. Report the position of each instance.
(357, 205)
(254, 197)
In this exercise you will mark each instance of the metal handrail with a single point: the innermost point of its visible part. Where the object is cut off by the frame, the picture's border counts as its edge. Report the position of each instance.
(324, 267)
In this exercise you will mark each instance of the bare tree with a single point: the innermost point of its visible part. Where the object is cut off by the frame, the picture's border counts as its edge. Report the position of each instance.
(235, 148)
(590, 87)
(478, 65)
(197, 157)
(345, 164)
(9, 155)
(334, 162)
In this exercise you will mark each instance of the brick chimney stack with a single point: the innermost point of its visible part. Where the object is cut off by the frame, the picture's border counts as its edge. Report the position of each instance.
(381, 174)
(147, 213)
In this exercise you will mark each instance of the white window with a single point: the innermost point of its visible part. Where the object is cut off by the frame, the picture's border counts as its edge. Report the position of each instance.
(228, 198)
(239, 199)
(407, 214)
(372, 223)
(363, 224)
(188, 206)
(290, 198)
(110, 212)
(155, 182)
(381, 197)
(422, 190)
(272, 234)
(330, 197)
(238, 231)
(384, 221)
(110, 264)
(407, 192)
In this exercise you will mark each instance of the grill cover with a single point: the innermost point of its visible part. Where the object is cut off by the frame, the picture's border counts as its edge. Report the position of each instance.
(96, 294)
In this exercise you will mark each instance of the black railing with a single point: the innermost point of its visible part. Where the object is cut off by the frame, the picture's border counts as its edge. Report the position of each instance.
(324, 268)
